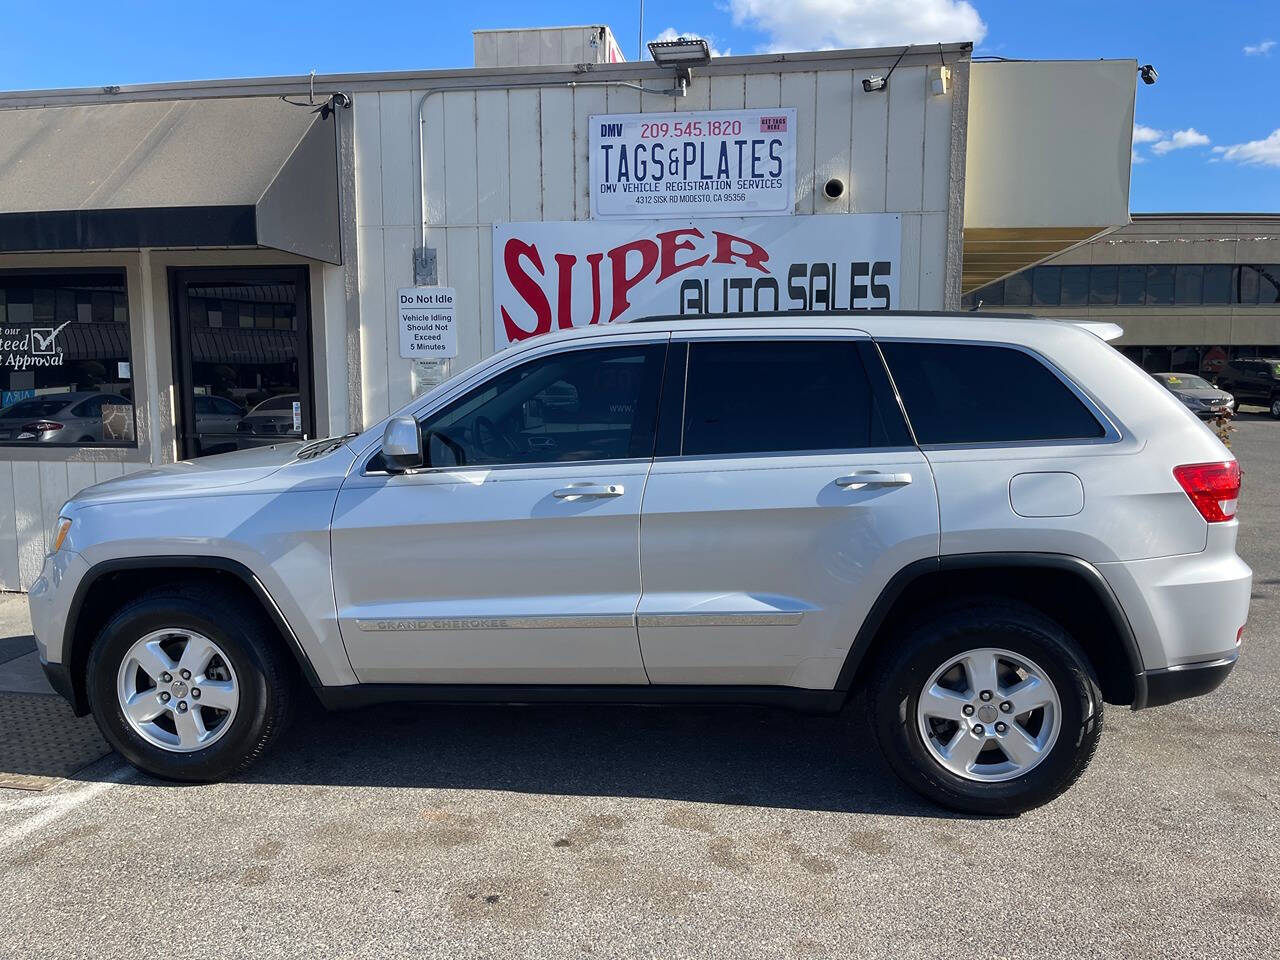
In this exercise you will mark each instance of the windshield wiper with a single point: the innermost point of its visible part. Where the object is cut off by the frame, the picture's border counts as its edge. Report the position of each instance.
(319, 447)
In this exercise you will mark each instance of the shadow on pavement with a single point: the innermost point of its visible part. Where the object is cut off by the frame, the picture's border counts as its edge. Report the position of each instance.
(753, 756)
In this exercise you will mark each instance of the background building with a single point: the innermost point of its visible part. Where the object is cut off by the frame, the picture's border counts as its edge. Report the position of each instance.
(217, 264)
(1191, 290)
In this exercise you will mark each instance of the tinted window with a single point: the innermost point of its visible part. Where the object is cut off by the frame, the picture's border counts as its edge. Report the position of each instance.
(963, 393)
(1045, 286)
(1102, 285)
(1132, 285)
(1017, 290)
(1188, 284)
(1159, 285)
(1217, 283)
(597, 404)
(1269, 284)
(775, 396)
(1246, 284)
(1075, 286)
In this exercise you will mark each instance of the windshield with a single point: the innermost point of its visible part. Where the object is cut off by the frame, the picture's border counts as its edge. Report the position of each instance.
(34, 408)
(1183, 381)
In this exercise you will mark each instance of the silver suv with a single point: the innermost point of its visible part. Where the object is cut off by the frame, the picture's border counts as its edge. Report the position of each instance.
(989, 526)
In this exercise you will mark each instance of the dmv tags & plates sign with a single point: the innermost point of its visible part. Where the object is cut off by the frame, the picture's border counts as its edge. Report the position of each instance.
(696, 164)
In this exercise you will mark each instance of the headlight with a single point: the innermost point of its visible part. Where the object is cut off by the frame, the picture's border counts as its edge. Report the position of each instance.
(60, 534)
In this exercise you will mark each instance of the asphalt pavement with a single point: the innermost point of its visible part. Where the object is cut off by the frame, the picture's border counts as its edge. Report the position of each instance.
(670, 832)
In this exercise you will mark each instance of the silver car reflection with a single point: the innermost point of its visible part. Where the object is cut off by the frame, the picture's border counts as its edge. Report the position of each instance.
(58, 418)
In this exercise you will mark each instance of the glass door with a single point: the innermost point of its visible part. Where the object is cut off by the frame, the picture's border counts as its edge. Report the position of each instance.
(242, 357)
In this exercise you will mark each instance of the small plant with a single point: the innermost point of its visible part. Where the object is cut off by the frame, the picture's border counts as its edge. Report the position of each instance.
(1223, 427)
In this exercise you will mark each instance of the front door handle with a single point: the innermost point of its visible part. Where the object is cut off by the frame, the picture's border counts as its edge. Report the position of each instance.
(871, 478)
(575, 490)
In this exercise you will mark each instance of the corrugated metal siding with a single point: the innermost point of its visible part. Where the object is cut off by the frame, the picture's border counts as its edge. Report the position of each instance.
(496, 155)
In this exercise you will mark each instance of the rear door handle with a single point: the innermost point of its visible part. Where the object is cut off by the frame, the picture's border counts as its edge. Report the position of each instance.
(575, 490)
(871, 478)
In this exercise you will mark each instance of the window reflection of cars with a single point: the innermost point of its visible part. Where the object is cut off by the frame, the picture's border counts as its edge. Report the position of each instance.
(57, 418)
(269, 421)
(216, 421)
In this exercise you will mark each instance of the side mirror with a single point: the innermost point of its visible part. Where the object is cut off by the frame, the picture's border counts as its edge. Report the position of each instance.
(401, 445)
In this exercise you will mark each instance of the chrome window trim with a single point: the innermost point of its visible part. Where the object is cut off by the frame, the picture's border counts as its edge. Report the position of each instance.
(778, 454)
(1111, 431)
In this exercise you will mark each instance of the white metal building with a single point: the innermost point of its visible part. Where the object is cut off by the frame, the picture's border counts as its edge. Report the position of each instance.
(191, 268)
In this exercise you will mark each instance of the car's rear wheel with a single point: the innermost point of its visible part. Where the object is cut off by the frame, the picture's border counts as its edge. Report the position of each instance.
(188, 683)
(1275, 408)
(988, 708)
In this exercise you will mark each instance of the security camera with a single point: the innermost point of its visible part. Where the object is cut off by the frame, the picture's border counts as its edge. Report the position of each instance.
(1148, 74)
(833, 188)
(872, 84)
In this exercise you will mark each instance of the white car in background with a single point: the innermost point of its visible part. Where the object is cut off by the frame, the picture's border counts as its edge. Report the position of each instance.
(992, 526)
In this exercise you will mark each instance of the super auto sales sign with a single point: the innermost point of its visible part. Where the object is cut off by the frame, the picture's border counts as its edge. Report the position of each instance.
(552, 276)
(705, 164)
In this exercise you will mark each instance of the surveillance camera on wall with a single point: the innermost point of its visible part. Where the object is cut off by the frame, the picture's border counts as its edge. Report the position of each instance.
(1148, 74)
(873, 84)
(833, 188)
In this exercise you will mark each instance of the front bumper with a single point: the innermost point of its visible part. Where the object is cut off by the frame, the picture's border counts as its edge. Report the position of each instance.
(1186, 680)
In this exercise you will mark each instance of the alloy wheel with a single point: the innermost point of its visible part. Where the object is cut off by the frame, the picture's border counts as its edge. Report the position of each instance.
(177, 690)
(989, 715)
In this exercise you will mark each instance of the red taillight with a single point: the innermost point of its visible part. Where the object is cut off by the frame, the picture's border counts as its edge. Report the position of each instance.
(41, 426)
(1214, 488)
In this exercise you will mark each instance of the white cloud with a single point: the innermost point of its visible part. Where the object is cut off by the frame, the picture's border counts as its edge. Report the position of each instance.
(1145, 134)
(1135, 157)
(1259, 49)
(824, 24)
(1180, 140)
(1264, 152)
(671, 33)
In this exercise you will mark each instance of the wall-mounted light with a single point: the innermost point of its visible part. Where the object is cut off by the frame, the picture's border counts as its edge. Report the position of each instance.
(683, 54)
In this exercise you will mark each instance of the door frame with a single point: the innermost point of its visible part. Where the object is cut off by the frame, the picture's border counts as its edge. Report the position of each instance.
(180, 339)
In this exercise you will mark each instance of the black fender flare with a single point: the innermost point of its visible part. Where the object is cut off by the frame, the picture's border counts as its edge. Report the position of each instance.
(1086, 571)
(74, 685)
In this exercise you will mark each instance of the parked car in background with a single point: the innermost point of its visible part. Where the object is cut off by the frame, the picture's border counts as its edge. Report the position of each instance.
(1197, 394)
(785, 510)
(269, 422)
(57, 418)
(1253, 381)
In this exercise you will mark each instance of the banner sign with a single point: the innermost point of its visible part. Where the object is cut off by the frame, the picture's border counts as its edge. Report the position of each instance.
(551, 276)
(709, 163)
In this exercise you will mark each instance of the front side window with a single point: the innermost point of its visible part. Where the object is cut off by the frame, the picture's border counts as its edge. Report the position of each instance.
(778, 396)
(969, 393)
(594, 404)
(66, 375)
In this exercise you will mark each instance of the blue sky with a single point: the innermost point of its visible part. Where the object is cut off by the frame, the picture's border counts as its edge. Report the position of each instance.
(1210, 128)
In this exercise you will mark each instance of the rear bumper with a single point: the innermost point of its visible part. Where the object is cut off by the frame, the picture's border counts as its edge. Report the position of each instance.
(1186, 680)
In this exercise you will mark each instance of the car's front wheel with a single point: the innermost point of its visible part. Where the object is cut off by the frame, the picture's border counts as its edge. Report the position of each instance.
(1275, 408)
(187, 683)
(989, 709)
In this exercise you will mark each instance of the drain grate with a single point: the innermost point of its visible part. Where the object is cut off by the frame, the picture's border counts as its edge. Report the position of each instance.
(40, 740)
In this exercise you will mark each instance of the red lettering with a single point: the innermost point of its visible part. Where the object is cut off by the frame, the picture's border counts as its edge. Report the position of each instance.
(594, 259)
(670, 245)
(622, 283)
(527, 288)
(754, 256)
(564, 293)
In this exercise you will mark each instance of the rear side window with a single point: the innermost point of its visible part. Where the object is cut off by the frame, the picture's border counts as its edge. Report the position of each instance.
(777, 396)
(965, 393)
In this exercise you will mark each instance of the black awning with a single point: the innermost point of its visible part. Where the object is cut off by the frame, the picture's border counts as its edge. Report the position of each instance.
(189, 173)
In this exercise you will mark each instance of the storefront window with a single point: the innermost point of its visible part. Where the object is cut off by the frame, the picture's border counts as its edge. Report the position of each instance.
(1269, 283)
(1017, 289)
(1246, 284)
(66, 374)
(1075, 286)
(1046, 283)
(1159, 285)
(1102, 286)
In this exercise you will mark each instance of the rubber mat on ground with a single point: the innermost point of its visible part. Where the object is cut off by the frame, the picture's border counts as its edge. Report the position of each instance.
(40, 741)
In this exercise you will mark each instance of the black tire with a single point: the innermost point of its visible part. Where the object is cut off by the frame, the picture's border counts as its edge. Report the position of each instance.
(1274, 408)
(899, 677)
(263, 673)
